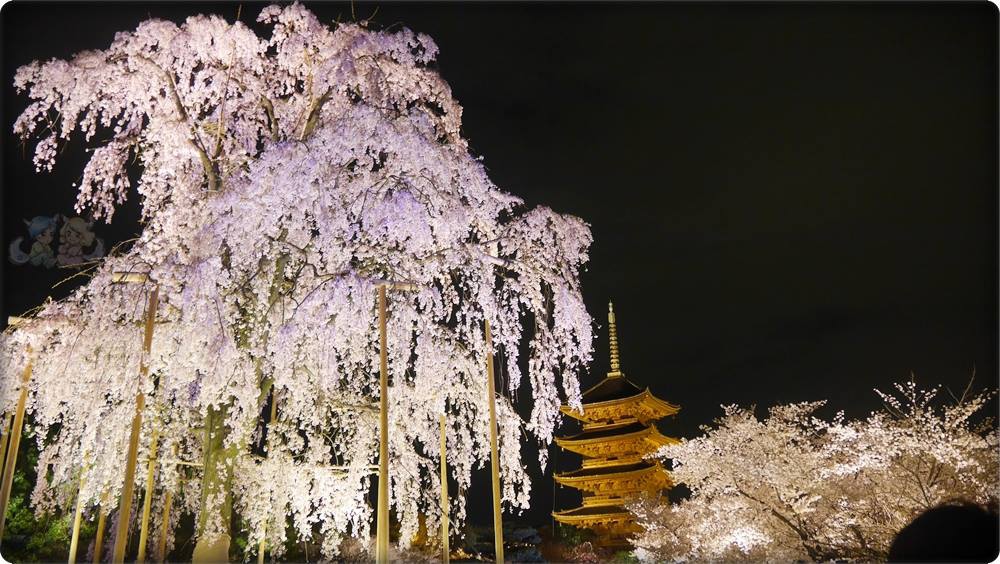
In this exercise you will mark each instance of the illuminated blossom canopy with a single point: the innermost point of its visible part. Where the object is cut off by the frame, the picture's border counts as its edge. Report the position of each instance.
(795, 487)
(281, 179)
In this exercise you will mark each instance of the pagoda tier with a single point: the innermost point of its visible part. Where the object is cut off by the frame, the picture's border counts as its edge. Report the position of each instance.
(621, 479)
(619, 431)
(615, 440)
(616, 398)
(611, 523)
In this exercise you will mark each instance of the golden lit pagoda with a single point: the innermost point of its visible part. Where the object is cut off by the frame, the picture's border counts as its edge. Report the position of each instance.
(619, 429)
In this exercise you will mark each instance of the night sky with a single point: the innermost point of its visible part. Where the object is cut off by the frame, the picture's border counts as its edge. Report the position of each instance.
(789, 201)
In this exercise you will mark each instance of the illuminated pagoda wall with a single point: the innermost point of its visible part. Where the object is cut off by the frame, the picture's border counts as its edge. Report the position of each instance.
(619, 429)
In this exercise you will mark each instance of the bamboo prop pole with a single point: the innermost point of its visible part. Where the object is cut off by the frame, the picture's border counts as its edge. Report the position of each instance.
(147, 501)
(6, 438)
(445, 513)
(99, 535)
(6, 446)
(129, 277)
(161, 545)
(15, 442)
(77, 518)
(167, 461)
(263, 537)
(382, 523)
(128, 488)
(494, 460)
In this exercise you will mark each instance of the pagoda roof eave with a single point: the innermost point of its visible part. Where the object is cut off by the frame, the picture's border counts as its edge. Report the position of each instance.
(567, 516)
(608, 379)
(656, 436)
(566, 480)
(665, 406)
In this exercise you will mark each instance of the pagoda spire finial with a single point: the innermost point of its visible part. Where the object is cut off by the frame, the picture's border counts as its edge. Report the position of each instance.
(616, 369)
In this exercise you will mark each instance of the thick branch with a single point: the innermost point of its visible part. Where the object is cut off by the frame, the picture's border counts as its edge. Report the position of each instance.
(206, 162)
(312, 118)
(803, 536)
(272, 120)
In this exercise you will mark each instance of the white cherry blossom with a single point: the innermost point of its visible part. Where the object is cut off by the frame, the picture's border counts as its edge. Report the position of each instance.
(794, 486)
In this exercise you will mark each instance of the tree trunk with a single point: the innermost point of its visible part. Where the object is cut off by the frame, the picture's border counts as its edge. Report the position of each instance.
(216, 491)
(216, 511)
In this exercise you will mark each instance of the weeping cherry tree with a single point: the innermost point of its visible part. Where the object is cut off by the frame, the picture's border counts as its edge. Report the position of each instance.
(282, 179)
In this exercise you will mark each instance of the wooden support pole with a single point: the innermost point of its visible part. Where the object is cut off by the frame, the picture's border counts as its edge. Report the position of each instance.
(128, 487)
(77, 517)
(129, 277)
(6, 448)
(99, 535)
(494, 459)
(147, 501)
(445, 512)
(382, 522)
(6, 438)
(15, 442)
(161, 545)
(260, 547)
(274, 414)
(161, 548)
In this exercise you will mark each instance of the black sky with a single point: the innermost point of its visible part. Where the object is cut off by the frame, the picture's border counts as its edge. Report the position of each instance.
(789, 201)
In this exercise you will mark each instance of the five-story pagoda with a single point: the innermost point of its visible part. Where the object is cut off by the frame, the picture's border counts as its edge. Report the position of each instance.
(619, 429)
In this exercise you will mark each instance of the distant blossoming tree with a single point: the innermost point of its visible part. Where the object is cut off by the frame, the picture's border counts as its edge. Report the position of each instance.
(281, 180)
(797, 487)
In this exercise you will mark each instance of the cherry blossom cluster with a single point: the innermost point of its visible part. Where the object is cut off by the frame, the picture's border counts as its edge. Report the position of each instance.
(795, 486)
